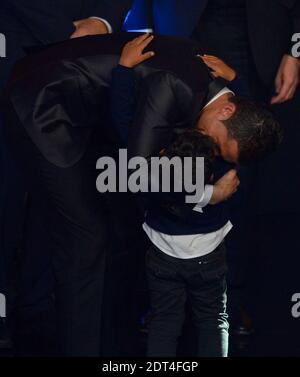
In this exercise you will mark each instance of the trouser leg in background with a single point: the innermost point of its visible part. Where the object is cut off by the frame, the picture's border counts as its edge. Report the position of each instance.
(12, 192)
(78, 221)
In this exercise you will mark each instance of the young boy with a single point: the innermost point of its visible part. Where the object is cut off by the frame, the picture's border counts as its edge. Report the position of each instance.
(186, 261)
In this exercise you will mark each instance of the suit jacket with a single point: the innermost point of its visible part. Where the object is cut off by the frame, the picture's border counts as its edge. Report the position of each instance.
(271, 24)
(60, 94)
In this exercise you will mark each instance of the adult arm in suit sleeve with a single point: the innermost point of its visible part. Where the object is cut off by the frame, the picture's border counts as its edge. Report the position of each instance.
(164, 104)
(287, 77)
(159, 112)
(294, 10)
(43, 20)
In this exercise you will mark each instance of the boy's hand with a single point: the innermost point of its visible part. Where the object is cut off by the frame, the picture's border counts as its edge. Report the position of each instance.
(219, 67)
(132, 53)
(225, 187)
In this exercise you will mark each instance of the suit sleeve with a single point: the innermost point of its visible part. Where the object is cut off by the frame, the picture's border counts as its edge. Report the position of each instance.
(123, 100)
(294, 10)
(295, 13)
(43, 20)
(239, 86)
(158, 113)
(113, 12)
(296, 16)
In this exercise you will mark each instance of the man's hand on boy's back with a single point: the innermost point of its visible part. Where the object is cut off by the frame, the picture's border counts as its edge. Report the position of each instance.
(225, 187)
(133, 52)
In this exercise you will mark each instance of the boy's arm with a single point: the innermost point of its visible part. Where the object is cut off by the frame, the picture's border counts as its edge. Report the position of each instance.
(123, 100)
(123, 95)
(235, 81)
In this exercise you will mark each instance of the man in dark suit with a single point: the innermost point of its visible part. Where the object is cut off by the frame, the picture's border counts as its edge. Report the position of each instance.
(26, 24)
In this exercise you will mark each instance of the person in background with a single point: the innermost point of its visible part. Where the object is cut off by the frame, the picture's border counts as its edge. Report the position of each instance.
(26, 24)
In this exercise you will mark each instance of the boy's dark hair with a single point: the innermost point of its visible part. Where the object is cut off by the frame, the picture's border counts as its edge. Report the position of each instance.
(192, 143)
(255, 128)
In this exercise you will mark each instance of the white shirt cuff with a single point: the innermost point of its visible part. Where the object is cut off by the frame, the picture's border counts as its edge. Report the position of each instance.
(106, 23)
(205, 199)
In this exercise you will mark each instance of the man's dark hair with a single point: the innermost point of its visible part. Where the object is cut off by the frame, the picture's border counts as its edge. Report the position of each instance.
(192, 143)
(255, 128)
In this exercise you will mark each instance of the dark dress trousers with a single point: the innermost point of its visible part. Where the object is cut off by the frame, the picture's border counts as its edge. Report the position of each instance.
(59, 111)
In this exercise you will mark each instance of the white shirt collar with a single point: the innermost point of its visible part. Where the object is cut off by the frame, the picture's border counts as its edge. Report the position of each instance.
(221, 93)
